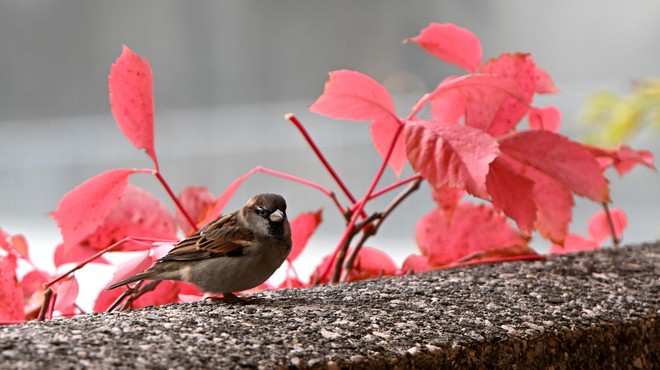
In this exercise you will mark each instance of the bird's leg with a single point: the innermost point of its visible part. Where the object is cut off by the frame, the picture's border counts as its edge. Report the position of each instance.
(226, 298)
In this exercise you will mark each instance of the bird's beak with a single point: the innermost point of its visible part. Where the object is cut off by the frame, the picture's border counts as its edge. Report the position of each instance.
(277, 216)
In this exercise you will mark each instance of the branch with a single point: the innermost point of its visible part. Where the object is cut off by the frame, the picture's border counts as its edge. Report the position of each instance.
(367, 233)
(175, 199)
(350, 232)
(320, 155)
(615, 240)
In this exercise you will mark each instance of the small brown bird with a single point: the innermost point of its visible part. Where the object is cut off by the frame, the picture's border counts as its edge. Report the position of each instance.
(235, 252)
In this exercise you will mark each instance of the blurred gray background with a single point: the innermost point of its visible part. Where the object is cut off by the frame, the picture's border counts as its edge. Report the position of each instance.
(226, 72)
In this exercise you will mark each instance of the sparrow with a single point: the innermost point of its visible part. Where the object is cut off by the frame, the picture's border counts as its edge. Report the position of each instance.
(235, 252)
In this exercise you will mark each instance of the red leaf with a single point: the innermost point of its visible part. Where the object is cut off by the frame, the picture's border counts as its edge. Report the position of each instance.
(498, 255)
(452, 44)
(82, 210)
(215, 209)
(565, 160)
(138, 214)
(482, 97)
(522, 69)
(450, 155)
(472, 228)
(623, 158)
(546, 118)
(15, 244)
(166, 292)
(382, 135)
(512, 193)
(195, 200)
(551, 198)
(33, 292)
(75, 253)
(11, 301)
(133, 266)
(131, 100)
(599, 227)
(291, 282)
(302, 228)
(67, 292)
(354, 96)
(415, 264)
(448, 198)
(574, 243)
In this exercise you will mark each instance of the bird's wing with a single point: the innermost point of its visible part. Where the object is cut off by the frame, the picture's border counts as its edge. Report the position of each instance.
(220, 238)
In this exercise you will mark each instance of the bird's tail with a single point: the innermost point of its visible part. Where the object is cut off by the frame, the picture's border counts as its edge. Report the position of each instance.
(141, 276)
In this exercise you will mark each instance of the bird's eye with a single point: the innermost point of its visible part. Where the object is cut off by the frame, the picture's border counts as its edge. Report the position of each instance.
(262, 212)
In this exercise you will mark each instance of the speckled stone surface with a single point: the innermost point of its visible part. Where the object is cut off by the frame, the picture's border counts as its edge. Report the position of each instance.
(591, 310)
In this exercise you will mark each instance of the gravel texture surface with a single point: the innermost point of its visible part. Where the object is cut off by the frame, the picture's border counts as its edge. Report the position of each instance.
(592, 310)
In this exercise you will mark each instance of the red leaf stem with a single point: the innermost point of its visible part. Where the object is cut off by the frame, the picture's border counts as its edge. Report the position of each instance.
(362, 203)
(174, 198)
(389, 188)
(322, 158)
(99, 254)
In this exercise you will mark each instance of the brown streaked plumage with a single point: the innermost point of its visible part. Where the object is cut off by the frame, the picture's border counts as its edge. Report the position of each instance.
(235, 252)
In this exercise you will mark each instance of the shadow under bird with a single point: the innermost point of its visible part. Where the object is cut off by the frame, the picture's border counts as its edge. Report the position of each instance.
(235, 252)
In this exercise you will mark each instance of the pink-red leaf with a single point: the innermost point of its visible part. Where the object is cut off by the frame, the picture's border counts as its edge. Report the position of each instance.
(195, 200)
(354, 96)
(415, 263)
(67, 292)
(11, 297)
(131, 100)
(82, 210)
(452, 44)
(546, 118)
(215, 209)
(529, 78)
(622, 158)
(574, 243)
(512, 193)
(450, 155)
(302, 228)
(383, 133)
(472, 228)
(133, 266)
(565, 160)
(552, 200)
(599, 226)
(481, 97)
(138, 214)
(33, 292)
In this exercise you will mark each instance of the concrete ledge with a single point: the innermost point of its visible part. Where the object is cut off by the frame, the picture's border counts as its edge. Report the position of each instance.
(592, 310)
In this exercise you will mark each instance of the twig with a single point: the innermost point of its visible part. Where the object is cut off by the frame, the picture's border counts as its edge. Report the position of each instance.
(175, 199)
(320, 155)
(137, 294)
(48, 295)
(366, 234)
(350, 232)
(615, 239)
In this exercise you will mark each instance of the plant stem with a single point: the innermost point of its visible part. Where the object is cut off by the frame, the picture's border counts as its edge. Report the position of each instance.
(175, 199)
(389, 188)
(48, 295)
(320, 155)
(615, 239)
(350, 232)
(366, 234)
(97, 255)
